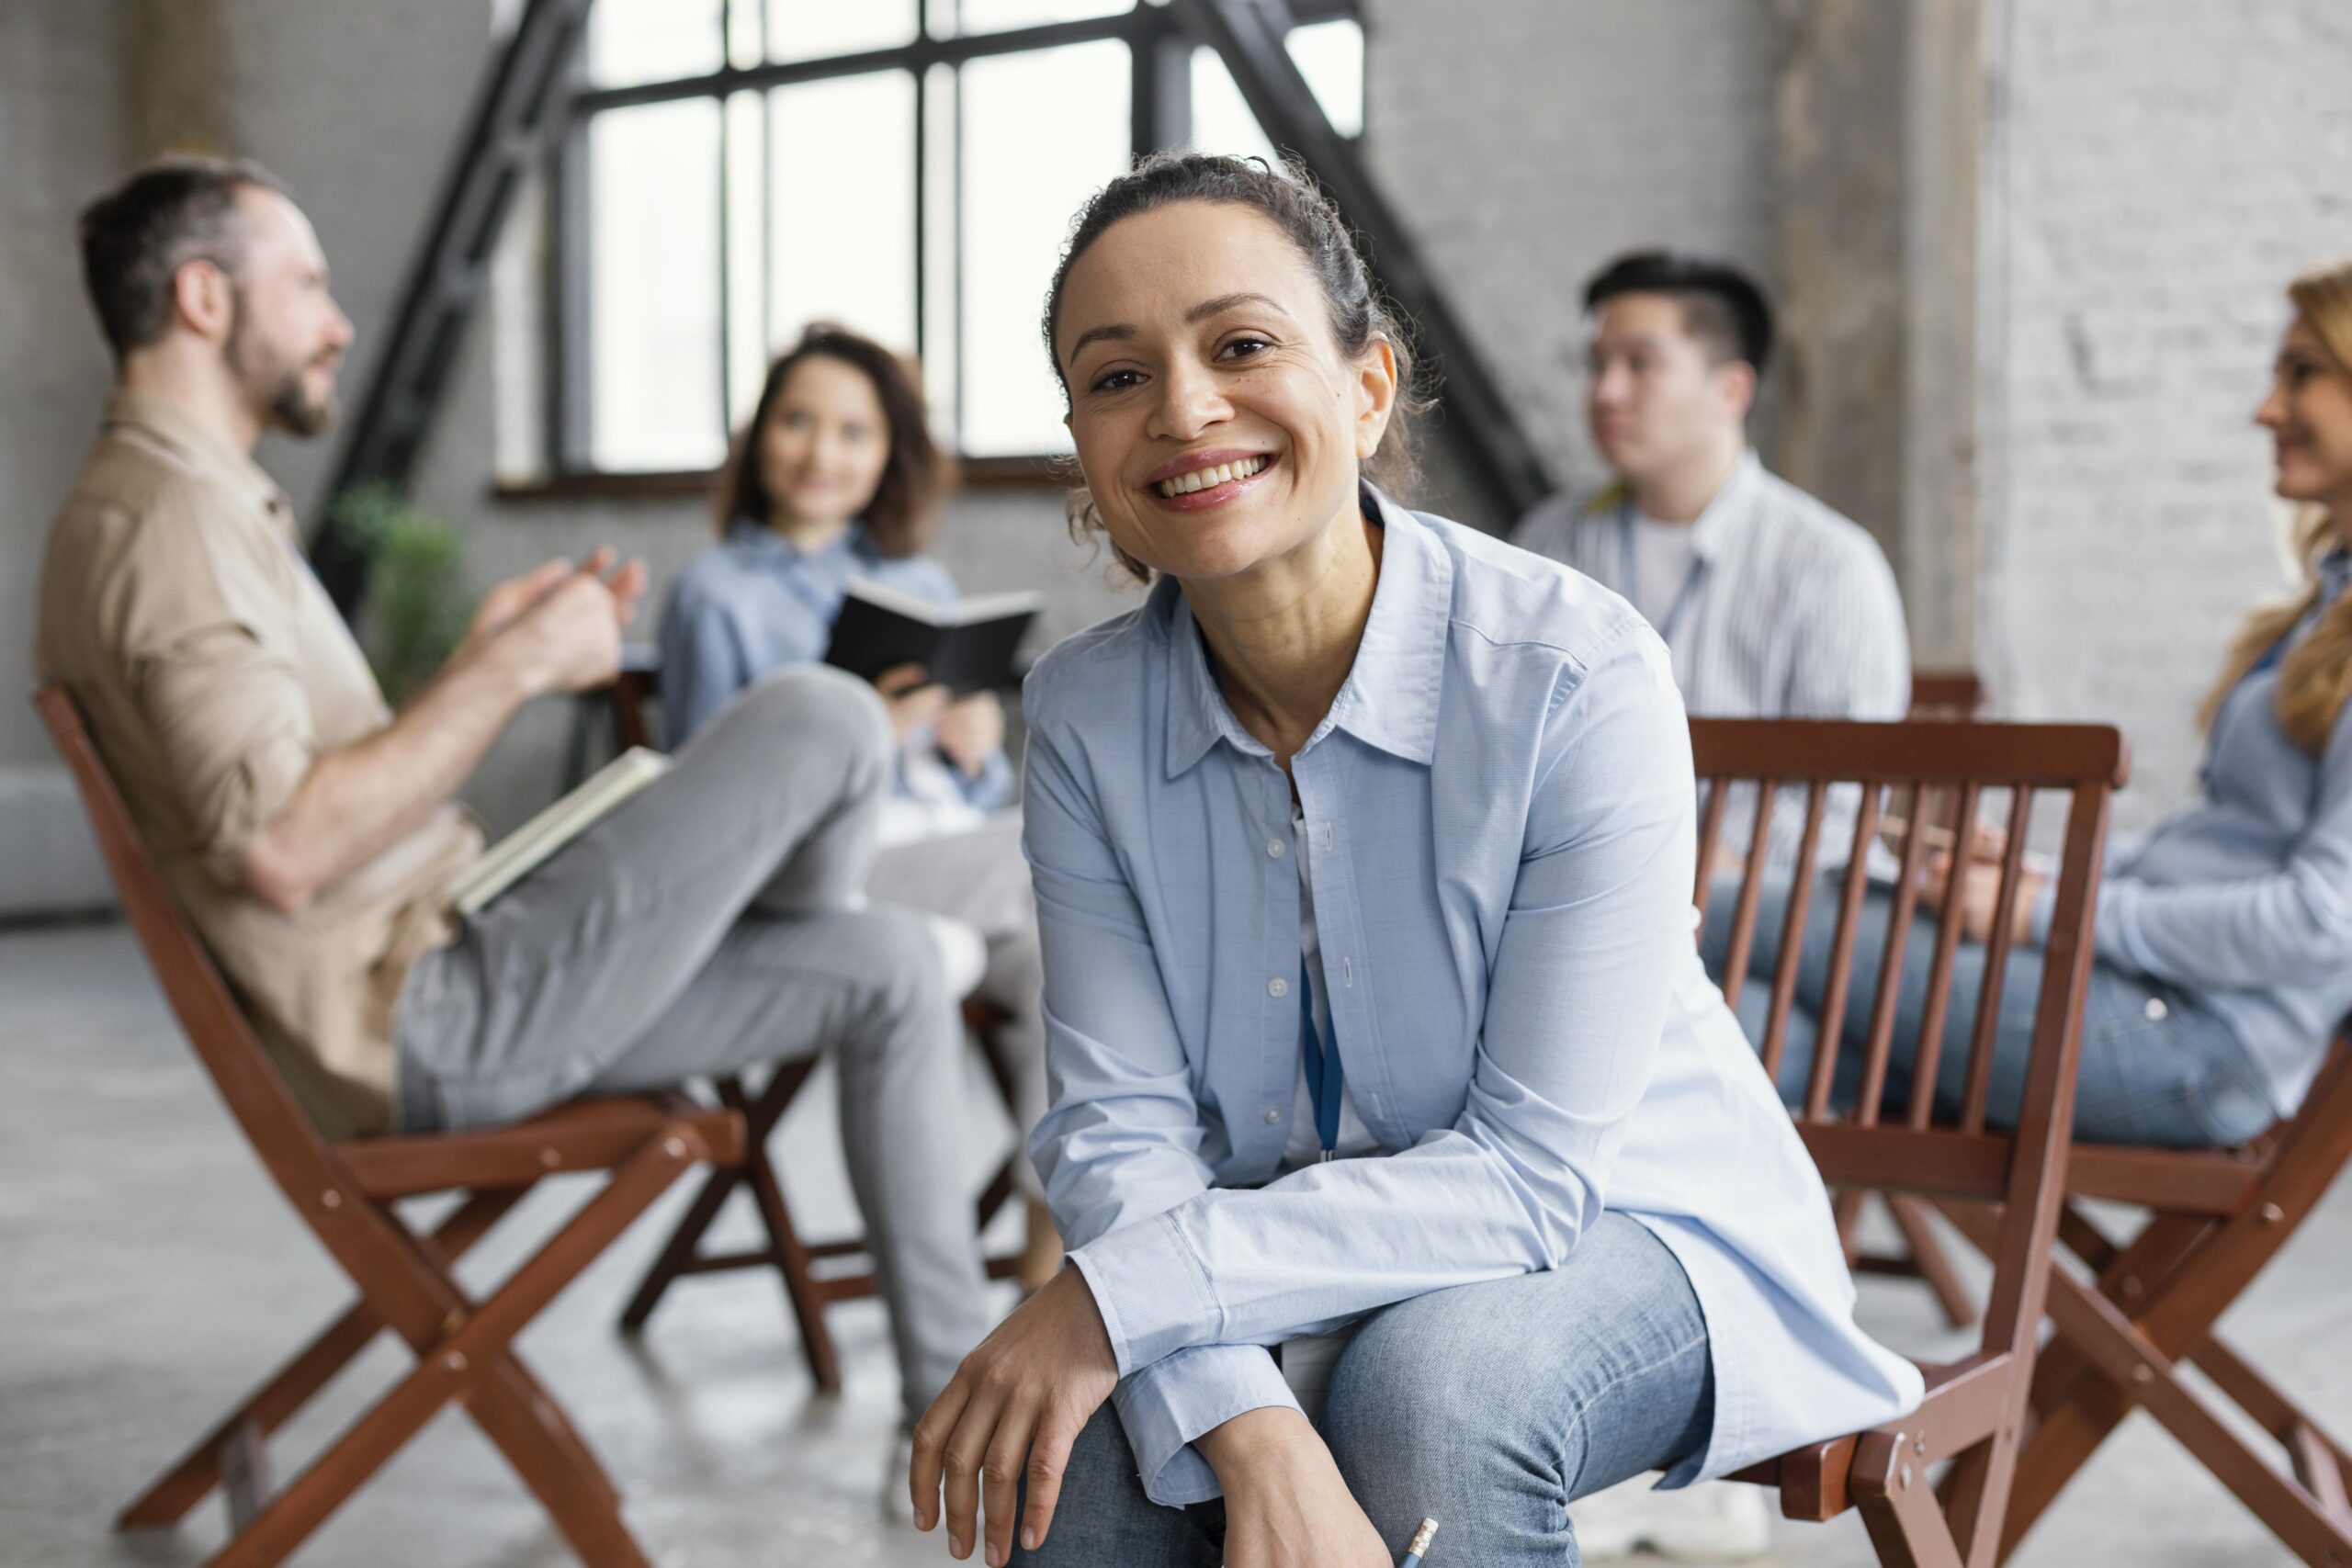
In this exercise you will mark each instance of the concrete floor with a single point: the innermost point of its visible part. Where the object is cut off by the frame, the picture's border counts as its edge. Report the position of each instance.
(149, 1276)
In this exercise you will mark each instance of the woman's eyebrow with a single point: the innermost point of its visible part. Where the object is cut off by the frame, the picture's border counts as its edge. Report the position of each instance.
(1122, 332)
(1208, 308)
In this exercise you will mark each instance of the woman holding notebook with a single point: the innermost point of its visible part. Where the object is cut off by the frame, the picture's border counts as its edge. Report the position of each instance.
(836, 478)
(1410, 1164)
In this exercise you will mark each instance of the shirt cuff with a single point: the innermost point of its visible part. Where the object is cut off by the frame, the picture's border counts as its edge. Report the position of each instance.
(1173, 1401)
(992, 789)
(1152, 1291)
(2117, 937)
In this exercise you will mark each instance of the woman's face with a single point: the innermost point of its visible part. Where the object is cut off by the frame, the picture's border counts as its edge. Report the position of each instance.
(1217, 422)
(2309, 415)
(825, 444)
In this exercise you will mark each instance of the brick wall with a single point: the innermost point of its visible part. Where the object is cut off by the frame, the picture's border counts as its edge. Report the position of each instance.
(2165, 167)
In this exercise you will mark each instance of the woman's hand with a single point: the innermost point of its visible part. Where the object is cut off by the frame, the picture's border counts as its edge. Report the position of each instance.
(1013, 1410)
(1980, 896)
(1286, 1505)
(970, 732)
(912, 703)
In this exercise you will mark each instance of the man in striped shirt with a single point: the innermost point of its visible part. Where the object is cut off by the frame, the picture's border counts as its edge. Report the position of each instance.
(1771, 606)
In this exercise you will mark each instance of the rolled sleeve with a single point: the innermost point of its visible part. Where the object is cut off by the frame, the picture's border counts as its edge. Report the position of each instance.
(1170, 1404)
(1152, 1290)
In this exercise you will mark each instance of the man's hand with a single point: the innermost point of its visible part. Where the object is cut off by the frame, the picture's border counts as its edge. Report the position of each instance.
(1012, 1409)
(564, 629)
(970, 732)
(912, 700)
(1980, 894)
(505, 605)
(1286, 1505)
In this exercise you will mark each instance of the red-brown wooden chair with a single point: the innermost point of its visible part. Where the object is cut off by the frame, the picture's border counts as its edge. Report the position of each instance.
(344, 1193)
(2215, 1219)
(815, 1274)
(1957, 696)
(1970, 1423)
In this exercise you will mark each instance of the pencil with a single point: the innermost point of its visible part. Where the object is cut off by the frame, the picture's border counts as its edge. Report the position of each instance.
(1420, 1544)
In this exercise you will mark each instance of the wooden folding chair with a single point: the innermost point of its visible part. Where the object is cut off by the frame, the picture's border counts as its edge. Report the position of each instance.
(1970, 1421)
(2216, 1217)
(1957, 696)
(344, 1193)
(816, 1275)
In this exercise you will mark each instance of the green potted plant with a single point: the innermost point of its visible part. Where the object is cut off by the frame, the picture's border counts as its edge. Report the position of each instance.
(416, 607)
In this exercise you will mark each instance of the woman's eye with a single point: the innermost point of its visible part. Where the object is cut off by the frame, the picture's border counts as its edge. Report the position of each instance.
(1115, 381)
(1244, 348)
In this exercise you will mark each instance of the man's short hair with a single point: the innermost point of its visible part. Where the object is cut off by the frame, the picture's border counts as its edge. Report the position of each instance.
(1721, 306)
(138, 234)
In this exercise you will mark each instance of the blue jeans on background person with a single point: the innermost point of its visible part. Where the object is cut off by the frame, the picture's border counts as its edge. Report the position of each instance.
(2157, 1066)
(1487, 1407)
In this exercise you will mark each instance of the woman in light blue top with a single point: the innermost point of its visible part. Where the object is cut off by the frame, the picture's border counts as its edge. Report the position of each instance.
(836, 477)
(2224, 935)
(1410, 1164)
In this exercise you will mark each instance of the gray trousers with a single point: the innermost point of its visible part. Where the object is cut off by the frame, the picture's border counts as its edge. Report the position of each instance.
(980, 878)
(706, 926)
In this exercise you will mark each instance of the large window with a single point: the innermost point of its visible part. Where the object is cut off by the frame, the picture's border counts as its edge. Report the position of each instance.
(735, 169)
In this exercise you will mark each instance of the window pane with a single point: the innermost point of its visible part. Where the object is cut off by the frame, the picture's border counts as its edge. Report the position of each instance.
(999, 16)
(1042, 132)
(654, 40)
(842, 203)
(747, 253)
(1328, 54)
(653, 342)
(813, 29)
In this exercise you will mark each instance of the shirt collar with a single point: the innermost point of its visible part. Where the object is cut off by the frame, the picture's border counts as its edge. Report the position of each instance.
(200, 448)
(763, 541)
(1390, 697)
(1714, 529)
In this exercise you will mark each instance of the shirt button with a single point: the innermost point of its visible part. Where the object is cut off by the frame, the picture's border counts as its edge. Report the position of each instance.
(2156, 1009)
(1273, 1114)
(1278, 987)
(1274, 848)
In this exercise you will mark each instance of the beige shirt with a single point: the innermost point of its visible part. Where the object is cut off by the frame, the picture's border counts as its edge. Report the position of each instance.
(176, 606)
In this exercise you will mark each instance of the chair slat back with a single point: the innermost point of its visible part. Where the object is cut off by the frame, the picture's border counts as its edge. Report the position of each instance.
(1941, 1143)
(256, 1093)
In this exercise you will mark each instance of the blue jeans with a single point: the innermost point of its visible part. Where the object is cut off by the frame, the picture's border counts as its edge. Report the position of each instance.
(1486, 1408)
(2157, 1066)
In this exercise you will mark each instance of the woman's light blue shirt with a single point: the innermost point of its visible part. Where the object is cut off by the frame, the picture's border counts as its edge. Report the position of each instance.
(2246, 897)
(1500, 804)
(758, 602)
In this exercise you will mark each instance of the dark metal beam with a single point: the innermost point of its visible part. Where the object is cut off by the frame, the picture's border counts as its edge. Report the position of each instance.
(516, 105)
(1248, 35)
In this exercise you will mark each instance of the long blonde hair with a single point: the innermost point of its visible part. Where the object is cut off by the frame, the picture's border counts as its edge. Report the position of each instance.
(2316, 677)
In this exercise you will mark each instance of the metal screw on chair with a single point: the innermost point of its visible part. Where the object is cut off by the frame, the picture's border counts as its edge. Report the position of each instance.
(2130, 1284)
(2143, 1373)
(1919, 1444)
(330, 1199)
(2272, 1213)
(550, 1158)
(1907, 1478)
(674, 1148)
(455, 1360)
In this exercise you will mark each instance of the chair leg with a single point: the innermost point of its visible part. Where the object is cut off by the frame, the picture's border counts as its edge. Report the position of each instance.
(792, 1258)
(168, 1499)
(1927, 1254)
(1899, 1507)
(680, 1254)
(470, 1363)
(531, 1431)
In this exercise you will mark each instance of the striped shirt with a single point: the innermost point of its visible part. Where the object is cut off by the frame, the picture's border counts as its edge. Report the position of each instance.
(1790, 612)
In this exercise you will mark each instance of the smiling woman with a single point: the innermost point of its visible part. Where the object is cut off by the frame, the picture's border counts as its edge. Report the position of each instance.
(1343, 1256)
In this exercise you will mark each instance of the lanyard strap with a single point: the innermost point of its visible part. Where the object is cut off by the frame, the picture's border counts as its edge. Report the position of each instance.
(1631, 568)
(1324, 1076)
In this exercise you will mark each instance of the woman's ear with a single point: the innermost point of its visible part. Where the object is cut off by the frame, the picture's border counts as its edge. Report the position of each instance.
(1375, 391)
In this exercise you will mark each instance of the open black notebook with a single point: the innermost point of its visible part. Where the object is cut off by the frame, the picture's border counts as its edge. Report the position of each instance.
(966, 646)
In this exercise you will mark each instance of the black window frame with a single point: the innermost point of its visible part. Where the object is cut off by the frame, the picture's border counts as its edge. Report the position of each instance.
(1159, 66)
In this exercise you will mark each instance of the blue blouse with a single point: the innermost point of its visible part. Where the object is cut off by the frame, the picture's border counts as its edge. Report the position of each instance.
(758, 602)
(2246, 897)
(1500, 804)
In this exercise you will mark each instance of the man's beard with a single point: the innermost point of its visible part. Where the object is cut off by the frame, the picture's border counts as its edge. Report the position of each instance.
(274, 389)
